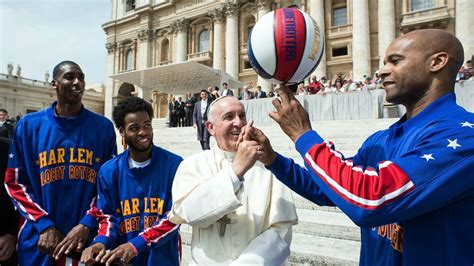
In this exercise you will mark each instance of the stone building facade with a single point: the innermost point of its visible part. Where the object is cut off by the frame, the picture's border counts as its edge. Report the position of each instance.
(149, 33)
(19, 95)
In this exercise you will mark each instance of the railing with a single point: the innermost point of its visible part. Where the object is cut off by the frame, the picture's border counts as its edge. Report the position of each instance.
(201, 56)
(22, 80)
(422, 16)
(162, 63)
(126, 70)
(346, 29)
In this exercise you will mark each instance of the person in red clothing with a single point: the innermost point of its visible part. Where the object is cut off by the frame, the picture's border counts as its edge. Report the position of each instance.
(314, 85)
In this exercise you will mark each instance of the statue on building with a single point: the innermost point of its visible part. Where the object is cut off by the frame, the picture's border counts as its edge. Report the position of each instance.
(10, 69)
(18, 71)
(46, 76)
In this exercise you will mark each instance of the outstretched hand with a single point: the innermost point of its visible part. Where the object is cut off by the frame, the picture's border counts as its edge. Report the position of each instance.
(290, 115)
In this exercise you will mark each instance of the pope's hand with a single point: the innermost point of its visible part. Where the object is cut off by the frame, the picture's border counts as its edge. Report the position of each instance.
(266, 153)
(248, 152)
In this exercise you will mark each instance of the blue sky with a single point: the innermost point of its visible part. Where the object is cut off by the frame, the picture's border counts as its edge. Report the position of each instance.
(38, 34)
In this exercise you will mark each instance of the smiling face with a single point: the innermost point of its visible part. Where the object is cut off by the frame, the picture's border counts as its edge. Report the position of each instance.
(406, 73)
(69, 84)
(226, 122)
(137, 131)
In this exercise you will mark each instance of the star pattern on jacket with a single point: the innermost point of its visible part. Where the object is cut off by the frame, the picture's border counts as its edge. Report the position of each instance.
(467, 124)
(453, 144)
(428, 157)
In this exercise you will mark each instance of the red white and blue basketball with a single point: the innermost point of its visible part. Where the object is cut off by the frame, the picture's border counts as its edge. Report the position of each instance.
(285, 46)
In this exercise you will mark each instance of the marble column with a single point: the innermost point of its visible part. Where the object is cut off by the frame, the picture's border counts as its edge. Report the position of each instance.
(144, 58)
(217, 16)
(317, 13)
(386, 20)
(263, 8)
(232, 40)
(109, 82)
(144, 43)
(360, 39)
(464, 26)
(180, 28)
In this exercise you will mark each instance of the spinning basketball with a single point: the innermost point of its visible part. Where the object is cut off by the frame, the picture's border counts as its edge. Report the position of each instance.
(285, 46)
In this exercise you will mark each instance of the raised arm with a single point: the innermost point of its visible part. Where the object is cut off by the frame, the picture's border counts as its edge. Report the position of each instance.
(429, 176)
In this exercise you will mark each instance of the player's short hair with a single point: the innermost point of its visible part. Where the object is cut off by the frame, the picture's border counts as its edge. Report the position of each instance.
(4, 111)
(62, 63)
(130, 105)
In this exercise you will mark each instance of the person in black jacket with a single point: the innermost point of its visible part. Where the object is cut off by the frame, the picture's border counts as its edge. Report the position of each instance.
(10, 218)
(6, 127)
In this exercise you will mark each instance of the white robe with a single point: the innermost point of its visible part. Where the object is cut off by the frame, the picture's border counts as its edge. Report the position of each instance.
(261, 211)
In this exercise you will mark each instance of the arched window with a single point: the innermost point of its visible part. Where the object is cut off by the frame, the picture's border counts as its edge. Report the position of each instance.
(165, 49)
(203, 41)
(129, 60)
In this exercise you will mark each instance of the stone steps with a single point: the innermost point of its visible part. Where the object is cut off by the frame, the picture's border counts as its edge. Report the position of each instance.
(319, 250)
(306, 249)
(331, 224)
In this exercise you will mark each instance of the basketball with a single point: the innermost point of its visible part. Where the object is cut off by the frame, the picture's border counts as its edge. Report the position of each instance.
(285, 46)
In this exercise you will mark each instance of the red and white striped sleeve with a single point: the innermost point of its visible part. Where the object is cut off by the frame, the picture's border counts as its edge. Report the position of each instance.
(160, 232)
(19, 188)
(369, 189)
(425, 177)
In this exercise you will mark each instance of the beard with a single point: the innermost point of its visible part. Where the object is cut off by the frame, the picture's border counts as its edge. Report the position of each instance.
(131, 145)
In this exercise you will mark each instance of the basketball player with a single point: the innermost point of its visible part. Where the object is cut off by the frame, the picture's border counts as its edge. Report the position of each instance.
(54, 157)
(134, 193)
(410, 187)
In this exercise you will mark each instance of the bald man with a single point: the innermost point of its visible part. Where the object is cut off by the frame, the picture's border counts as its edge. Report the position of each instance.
(239, 212)
(410, 187)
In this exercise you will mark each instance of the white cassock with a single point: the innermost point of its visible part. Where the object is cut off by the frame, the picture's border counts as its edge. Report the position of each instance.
(261, 212)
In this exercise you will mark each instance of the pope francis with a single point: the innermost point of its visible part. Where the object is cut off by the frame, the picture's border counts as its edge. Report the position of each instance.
(239, 212)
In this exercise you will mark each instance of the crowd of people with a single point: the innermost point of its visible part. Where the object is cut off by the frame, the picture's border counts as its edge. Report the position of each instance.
(409, 187)
(338, 85)
(180, 110)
